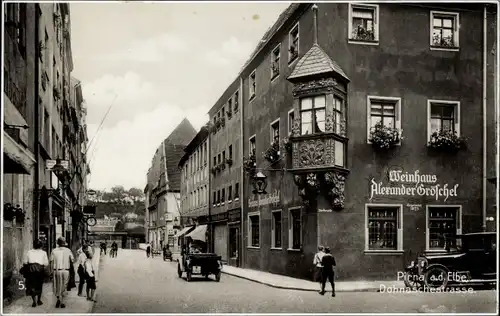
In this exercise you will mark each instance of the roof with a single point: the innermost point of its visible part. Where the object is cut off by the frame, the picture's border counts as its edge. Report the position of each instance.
(316, 62)
(197, 140)
(182, 134)
(173, 154)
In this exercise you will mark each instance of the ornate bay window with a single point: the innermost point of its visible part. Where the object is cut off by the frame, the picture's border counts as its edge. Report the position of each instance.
(319, 138)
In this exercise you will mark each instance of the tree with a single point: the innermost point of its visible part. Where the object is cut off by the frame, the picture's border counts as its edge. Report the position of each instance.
(118, 192)
(135, 192)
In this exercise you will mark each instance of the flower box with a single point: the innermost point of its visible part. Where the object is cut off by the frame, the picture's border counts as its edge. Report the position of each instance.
(223, 165)
(249, 164)
(272, 154)
(362, 34)
(385, 137)
(446, 140)
(222, 121)
(217, 168)
(229, 114)
(229, 162)
(214, 170)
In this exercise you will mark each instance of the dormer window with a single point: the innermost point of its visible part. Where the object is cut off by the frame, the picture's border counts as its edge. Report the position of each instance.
(312, 112)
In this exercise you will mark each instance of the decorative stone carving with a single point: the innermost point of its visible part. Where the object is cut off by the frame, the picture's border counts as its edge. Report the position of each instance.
(323, 84)
(312, 153)
(329, 122)
(296, 127)
(335, 187)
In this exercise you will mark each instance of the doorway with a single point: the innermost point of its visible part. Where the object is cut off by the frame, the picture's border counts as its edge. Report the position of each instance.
(234, 246)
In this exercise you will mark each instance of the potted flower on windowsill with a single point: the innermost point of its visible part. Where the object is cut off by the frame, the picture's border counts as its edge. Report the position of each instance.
(229, 161)
(217, 168)
(229, 114)
(249, 164)
(223, 164)
(287, 144)
(222, 121)
(385, 137)
(214, 170)
(293, 52)
(446, 140)
(362, 34)
(272, 154)
(217, 123)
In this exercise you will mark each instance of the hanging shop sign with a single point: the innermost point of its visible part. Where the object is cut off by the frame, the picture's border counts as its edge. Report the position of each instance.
(403, 183)
(265, 199)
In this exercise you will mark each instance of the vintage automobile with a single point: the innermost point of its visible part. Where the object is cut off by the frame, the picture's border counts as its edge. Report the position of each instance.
(203, 264)
(468, 259)
(167, 254)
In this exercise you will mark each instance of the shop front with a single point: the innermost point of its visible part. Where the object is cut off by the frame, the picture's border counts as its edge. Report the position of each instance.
(234, 241)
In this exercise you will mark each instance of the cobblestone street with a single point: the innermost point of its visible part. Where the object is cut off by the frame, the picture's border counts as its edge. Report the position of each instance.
(132, 283)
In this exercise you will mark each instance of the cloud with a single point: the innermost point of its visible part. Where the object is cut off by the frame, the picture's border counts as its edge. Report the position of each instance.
(129, 95)
(231, 52)
(151, 50)
(122, 154)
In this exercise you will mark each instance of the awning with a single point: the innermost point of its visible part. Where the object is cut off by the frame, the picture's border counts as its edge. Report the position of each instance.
(199, 233)
(183, 231)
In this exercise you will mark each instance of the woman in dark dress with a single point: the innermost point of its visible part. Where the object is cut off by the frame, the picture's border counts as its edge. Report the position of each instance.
(35, 262)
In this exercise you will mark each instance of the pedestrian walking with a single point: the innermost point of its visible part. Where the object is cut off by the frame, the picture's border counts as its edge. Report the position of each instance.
(34, 265)
(61, 260)
(103, 248)
(90, 276)
(148, 250)
(80, 259)
(114, 249)
(328, 273)
(317, 264)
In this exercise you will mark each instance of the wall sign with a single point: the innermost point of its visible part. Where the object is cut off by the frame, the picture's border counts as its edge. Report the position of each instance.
(412, 184)
(265, 199)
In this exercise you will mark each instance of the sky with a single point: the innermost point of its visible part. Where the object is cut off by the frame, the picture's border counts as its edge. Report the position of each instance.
(151, 65)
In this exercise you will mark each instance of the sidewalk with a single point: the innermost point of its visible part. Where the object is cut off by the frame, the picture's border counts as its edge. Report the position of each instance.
(285, 282)
(74, 303)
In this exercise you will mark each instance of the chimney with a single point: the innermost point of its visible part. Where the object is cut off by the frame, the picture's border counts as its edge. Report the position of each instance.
(315, 26)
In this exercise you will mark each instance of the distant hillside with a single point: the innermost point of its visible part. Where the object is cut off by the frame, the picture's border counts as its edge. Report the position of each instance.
(118, 202)
(112, 209)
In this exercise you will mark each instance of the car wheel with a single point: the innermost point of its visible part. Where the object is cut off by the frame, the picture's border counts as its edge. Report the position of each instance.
(436, 277)
(189, 276)
(217, 276)
(179, 271)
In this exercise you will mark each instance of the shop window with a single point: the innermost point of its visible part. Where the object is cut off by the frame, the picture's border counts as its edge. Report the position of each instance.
(312, 112)
(275, 62)
(275, 131)
(295, 229)
(252, 85)
(363, 24)
(443, 224)
(230, 194)
(276, 230)
(233, 242)
(443, 116)
(254, 230)
(385, 111)
(293, 44)
(291, 118)
(237, 191)
(444, 30)
(384, 227)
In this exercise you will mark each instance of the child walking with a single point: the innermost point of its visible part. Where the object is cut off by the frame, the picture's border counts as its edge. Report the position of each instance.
(90, 278)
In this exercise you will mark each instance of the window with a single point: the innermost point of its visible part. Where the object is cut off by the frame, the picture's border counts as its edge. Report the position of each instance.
(384, 227)
(223, 112)
(293, 44)
(443, 224)
(338, 112)
(295, 229)
(386, 110)
(214, 200)
(218, 197)
(312, 112)
(252, 85)
(252, 147)
(237, 191)
(363, 25)
(219, 159)
(291, 118)
(275, 62)
(254, 230)
(231, 152)
(236, 101)
(444, 30)
(215, 161)
(223, 196)
(223, 155)
(275, 131)
(230, 193)
(443, 115)
(276, 230)
(205, 152)
(229, 107)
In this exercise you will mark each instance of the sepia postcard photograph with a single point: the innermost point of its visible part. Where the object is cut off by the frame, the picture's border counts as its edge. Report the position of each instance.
(250, 157)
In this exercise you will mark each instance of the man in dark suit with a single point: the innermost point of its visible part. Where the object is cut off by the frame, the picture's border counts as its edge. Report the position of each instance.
(328, 262)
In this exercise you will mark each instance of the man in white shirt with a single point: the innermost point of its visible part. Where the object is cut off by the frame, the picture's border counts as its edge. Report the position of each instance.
(80, 261)
(318, 266)
(61, 260)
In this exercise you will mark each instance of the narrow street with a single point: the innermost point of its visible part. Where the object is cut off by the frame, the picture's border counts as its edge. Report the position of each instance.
(132, 283)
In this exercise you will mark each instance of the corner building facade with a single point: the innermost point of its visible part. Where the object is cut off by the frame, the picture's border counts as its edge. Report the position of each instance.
(311, 100)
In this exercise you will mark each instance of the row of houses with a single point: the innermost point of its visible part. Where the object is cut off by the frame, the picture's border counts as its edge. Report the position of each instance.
(45, 171)
(368, 128)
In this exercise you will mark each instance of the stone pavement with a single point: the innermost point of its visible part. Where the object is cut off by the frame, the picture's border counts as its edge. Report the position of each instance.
(285, 282)
(74, 303)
